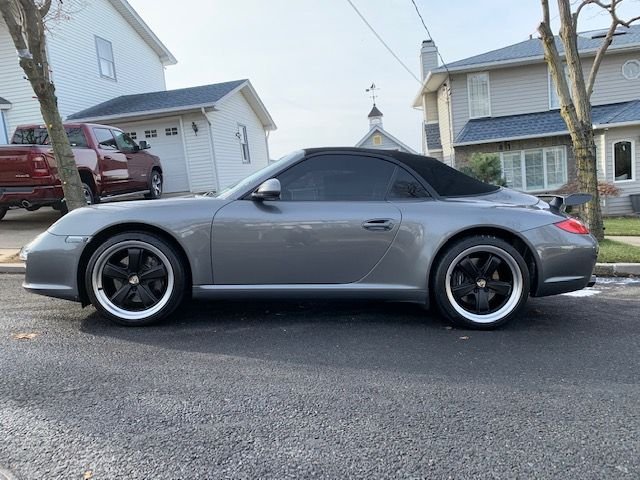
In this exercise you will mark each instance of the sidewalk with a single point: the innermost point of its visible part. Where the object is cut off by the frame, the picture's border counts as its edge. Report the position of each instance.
(635, 241)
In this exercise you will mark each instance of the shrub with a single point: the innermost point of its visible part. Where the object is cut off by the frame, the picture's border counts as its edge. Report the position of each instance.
(486, 168)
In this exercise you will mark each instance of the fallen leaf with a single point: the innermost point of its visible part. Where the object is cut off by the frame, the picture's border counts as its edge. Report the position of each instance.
(87, 475)
(24, 336)
(464, 338)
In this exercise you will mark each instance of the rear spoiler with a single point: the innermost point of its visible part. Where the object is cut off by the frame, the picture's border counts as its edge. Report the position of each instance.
(560, 202)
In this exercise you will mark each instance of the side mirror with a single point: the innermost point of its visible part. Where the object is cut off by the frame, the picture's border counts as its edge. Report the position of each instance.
(268, 190)
(144, 145)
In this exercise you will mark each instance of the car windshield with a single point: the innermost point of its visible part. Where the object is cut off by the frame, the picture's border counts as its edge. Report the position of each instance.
(262, 173)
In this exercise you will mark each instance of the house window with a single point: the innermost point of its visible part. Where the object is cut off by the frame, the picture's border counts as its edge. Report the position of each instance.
(631, 69)
(105, 58)
(623, 153)
(535, 170)
(133, 135)
(171, 131)
(479, 95)
(554, 100)
(244, 143)
(150, 133)
(377, 139)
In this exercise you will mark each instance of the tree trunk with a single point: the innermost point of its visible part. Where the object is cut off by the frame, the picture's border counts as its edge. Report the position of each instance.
(584, 150)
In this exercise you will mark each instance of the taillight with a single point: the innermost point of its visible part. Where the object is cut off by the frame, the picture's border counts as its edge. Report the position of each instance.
(40, 167)
(573, 225)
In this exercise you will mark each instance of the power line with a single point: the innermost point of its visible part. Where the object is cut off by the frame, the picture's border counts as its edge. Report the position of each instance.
(444, 64)
(382, 41)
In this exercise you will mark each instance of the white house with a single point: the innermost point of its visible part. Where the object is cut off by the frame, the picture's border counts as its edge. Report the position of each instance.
(109, 67)
(377, 137)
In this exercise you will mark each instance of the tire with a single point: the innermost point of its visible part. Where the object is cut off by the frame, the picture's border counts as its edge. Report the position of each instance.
(481, 282)
(155, 185)
(143, 294)
(3, 212)
(88, 194)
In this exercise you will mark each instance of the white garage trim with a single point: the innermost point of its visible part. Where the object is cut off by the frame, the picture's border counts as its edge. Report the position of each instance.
(184, 149)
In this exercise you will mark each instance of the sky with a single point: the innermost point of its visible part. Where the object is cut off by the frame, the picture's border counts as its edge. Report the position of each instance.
(312, 60)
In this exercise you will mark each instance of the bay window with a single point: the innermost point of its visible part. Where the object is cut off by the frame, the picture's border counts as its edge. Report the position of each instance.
(536, 169)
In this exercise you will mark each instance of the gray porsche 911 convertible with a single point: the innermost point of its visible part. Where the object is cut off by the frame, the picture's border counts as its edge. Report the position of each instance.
(321, 223)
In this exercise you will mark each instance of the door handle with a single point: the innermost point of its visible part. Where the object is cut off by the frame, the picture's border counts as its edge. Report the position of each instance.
(378, 224)
(129, 157)
(107, 157)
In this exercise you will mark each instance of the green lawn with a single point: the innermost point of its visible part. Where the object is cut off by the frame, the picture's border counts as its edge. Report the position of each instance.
(622, 226)
(616, 252)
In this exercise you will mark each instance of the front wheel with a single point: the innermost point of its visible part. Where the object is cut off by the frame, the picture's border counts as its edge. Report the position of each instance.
(135, 279)
(481, 282)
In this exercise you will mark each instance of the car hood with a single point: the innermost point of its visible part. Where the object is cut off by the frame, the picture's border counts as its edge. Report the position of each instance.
(176, 214)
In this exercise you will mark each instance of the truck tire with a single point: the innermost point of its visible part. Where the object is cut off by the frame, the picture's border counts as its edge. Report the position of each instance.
(155, 185)
(3, 212)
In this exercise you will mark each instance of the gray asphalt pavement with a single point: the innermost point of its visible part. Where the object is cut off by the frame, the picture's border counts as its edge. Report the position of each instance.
(327, 390)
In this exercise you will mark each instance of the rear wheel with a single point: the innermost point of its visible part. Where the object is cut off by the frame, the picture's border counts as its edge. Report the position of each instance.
(481, 282)
(155, 185)
(135, 279)
(3, 212)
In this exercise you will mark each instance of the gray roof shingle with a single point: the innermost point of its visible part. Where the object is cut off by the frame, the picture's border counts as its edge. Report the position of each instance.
(167, 99)
(484, 130)
(432, 133)
(533, 48)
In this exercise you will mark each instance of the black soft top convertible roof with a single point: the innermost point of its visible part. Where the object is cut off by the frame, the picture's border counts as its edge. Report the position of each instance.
(446, 181)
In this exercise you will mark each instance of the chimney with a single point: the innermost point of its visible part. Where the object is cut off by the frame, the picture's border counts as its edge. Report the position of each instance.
(428, 57)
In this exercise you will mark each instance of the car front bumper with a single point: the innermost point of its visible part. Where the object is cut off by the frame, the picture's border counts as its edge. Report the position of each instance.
(52, 265)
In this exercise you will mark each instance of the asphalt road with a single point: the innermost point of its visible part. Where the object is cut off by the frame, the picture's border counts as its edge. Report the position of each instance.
(327, 390)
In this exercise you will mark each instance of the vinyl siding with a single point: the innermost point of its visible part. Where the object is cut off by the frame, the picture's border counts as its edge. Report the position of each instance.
(200, 161)
(13, 87)
(74, 63)
(387, 142)
(525, 89)
(75, 70)
(622, 205)
(228, 155)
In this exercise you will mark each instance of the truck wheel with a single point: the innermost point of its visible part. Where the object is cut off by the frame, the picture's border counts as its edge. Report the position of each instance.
(3, 212)
(88, 194)
(155, 185)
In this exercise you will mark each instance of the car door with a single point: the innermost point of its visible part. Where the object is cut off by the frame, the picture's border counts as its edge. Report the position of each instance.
(138, 162)
(330, 226)
(113, 163)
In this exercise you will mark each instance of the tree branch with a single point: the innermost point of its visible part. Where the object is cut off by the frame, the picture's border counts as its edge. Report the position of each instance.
(44, 9)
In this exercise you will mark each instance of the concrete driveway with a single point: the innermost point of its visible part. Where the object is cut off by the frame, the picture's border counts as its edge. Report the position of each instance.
(19, 227)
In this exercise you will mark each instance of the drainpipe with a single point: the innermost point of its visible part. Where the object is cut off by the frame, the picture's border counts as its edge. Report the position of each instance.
(213, 150)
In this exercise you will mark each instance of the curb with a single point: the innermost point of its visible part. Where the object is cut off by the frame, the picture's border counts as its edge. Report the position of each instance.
(617, 269)
(12, 268)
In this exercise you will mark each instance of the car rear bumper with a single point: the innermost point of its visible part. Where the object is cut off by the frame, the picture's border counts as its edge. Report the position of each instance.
(52, 265)
(565, 260)
(27, 196)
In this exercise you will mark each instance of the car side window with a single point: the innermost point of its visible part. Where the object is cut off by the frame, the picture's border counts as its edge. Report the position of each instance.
(406, 187)
(123, 141)
(337, 177)
(105, 139)
(76, 137)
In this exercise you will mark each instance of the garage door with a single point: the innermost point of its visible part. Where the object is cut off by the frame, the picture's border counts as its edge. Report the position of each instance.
(166, 142)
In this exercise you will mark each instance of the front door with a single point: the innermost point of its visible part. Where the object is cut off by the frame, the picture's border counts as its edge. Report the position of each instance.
(138, 162)
(113, 163)
(331, 226)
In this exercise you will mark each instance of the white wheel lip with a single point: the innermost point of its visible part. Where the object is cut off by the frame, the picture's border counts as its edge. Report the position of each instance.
(516, 292)
(107, 304)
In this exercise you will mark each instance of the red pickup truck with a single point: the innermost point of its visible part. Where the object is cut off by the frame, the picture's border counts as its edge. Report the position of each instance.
(110, 163)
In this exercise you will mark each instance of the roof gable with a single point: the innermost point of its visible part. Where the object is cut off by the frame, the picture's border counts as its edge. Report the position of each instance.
(378, 129)
(204, 96)
(138, 24)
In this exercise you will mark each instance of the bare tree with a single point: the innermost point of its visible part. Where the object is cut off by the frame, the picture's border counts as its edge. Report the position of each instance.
(25, 20)
(575, 92)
